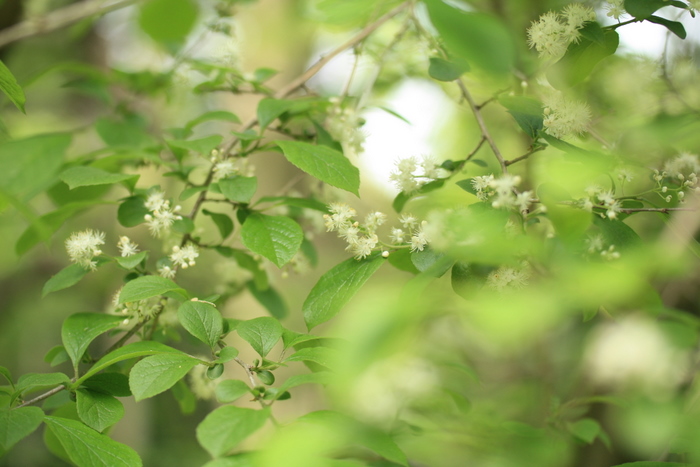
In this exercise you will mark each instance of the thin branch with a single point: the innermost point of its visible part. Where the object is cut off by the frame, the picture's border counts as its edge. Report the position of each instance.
(661, 210)
(246, 367)
(60, 18)
(524, 156)
(41, 397)
(482, 125)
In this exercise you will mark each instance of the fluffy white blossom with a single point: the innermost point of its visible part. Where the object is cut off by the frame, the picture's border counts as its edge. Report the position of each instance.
(167, 272)
(344, 125)
(185, 256)
(552, 33)
(340, 217)
(419, 239)
(223, 169)
(403, 176)
(363, 246)
(162, 216)
(685, 164)
(482, 185)
(82, 247)
(564, 117)
(127, 247)
(575, 16)
(374, 220)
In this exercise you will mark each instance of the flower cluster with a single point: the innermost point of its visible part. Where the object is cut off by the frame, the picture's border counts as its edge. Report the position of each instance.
(226, 167)
(508, 278)
(681, 171)
(185, 256)
(127, 247)
(344, 124)
(553, 32)
(82, 247)
(411, 174)
(596, 244)
(564, 117)
(502, 192)
(363, 239)
(597, 196)
(162, 216)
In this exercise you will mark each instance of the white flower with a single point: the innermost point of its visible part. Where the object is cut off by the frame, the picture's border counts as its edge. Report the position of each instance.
(363, 246)
(547, 36)
(224, 169)
(403, 177)
(563, 117)
(162, 216)
(83, 246)
(616, 8)
(504, 185)
(523, 200)
(408, 220)
(576, 15)
(155, 201)
(127, 247)
(184, 256)
(683, 163)
(431, 167)
(419, 239)
(374, 220)
(508, 278)
(341, 216)
(397, 235)
(167, 272)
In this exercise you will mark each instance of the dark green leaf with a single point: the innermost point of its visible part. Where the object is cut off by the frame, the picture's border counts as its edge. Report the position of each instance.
(145, 287)
(202, 146)
(158, 373)
(261, 333)
(581, 58)
(585, 429)
(80, 329)
(324, 163)
(132, 211)
(480, 39)
(88, 448)
(12, 89)
(227, 354)
(644, 8)
(66, 277)
(98, 410)
(270, 299)
(277, 238)
(87, 176)
(269, 109)
(222, 221)
(674, 26)
(239, 189)
(526, 111)
(213, 115)
(130, 262)
(17, 424)
(443, 70)
(181, 17)
(231, 390)
(116, 384)
(224, 428)
(201, 320)
(336, 287)
(56, 356)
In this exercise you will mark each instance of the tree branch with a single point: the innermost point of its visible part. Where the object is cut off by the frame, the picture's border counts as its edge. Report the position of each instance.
(60, 18)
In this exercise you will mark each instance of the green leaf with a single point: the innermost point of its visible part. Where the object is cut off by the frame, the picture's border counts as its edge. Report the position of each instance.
(116, 384)
(429, 260)
(443, 70)
(239, 189)
(31, 382)
(7, 375)
(231, 390)
(132, 211)
(270, 299)
(478, 38)
(674, 26)
(226, 354)
(324, 163)
(29, 166)
(80, 329)
(322, 355)
(222, 221)
(66, 277)
(269, 109)
(202, 146)
(291, 338)
(585, 429)
(615, 232)
(158, 373)
(321, 377)
(127, 133)
(87, 176)
(56, 356)
(88, 448)
(97, 409)
(277, 238)
(581, 58)
(213, 115)
(261, 333)
(243, 459)
(12, 89)
(133, 350)
(184, 397)
(403, 198)
(645, 8)
(181, 17)
(201, 320)
(224, 428)
(526, 111)
(17, 424)
(336, 287)
(130, 262)
(145, 287)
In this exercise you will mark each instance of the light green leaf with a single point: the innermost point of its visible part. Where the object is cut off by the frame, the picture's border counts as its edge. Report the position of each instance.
(145, 287)
(443, 70)
(88, 448)
(124, 133)
(17, 424)
(66, 277)
(585, 429)
(132, 211)
(277, 238)
(261, 333)
(239, 189)
(269, 109)
(224, 428)
(527, 112)
(56, 355)
(31, 382)
(202, 146)
(291, 338)
(321, 377)
(336, 287)
(324, 163)
(133, 350)
(201, 320)
(158, 373)
(243, 459)
(270, 299)
(7, 375)
(231, 390)
(213, 115)
(478, 38)
(226, 354)
(80, 329)
(130, 262)
(652, 464)
(181, 17)
(97, 409)
(87, 176)
(222, 221)
(12, 89)
(322, 355)
(581, 58)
